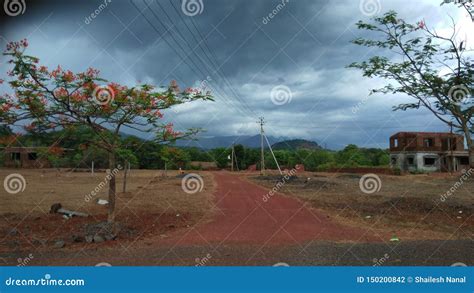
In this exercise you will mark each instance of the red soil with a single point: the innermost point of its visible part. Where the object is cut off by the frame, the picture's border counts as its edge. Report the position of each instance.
(244, 217)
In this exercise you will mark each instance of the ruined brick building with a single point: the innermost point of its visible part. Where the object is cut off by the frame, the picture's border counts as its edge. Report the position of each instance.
(428, 152)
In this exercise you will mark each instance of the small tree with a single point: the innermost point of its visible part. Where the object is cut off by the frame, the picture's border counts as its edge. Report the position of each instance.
(432, 69)
(60, 99)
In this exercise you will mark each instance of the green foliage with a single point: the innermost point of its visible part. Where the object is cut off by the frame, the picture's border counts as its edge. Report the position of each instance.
(435, 70)
(221, 157)
(146, 154)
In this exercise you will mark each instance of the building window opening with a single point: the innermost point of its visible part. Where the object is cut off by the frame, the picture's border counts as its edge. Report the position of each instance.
(430, 161)
(32, 156)
(15, 156)
(464, 160)
(428, 142)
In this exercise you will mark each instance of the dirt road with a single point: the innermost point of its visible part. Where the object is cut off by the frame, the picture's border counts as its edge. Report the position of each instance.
(248, 214)
(245, 229)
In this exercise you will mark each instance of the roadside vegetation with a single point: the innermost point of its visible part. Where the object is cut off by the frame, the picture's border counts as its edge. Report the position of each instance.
(146, 154)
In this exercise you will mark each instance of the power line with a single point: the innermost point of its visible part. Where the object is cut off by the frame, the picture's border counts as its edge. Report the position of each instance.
(211, 62)
(184, 59)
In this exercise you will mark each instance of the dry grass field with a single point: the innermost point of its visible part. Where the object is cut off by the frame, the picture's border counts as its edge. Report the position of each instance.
(153, 204)
(408, 207)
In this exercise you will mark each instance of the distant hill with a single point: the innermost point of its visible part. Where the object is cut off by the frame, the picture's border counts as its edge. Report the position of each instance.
(227, 141)
(296, 144)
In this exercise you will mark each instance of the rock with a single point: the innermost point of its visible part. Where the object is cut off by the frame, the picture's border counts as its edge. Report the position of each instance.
(38, 242)
(13, 232)
(59, 244)
(110, 237)
(89, 238)
(77, 238)
(394, 239)
(102, 202)
(98, 239)
(55, 207)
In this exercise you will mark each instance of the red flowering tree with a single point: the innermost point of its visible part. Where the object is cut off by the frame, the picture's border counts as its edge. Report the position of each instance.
(60, 99)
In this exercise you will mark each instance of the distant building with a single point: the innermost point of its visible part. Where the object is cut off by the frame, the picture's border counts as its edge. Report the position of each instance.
(428, 152)
(29, 157)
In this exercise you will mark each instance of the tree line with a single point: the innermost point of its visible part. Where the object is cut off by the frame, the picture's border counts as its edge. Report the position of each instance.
(148, 154)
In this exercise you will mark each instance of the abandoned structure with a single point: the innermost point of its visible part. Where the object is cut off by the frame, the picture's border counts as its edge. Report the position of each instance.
(428, 152)
(25, 157)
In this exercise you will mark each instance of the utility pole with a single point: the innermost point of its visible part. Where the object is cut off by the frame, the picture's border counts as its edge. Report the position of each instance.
(232, 160)
(262, 163)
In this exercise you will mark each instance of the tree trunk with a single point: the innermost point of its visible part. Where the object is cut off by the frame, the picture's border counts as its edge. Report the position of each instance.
(470, 144)
(127, 166)
(471, 157)
(112, 188)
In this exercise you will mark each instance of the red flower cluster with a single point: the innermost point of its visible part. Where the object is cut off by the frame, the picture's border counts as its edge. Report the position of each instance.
(15, 46)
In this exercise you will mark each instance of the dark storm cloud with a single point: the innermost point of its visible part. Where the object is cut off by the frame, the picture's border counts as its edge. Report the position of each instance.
(304, 46)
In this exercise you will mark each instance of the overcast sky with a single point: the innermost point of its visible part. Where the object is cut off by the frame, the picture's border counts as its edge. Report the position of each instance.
(303, 48)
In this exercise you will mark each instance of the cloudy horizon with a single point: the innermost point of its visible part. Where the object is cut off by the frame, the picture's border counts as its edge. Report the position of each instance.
(284, 60)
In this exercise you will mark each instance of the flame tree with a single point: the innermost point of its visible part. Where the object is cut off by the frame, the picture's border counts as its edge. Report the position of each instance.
(46, 100)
